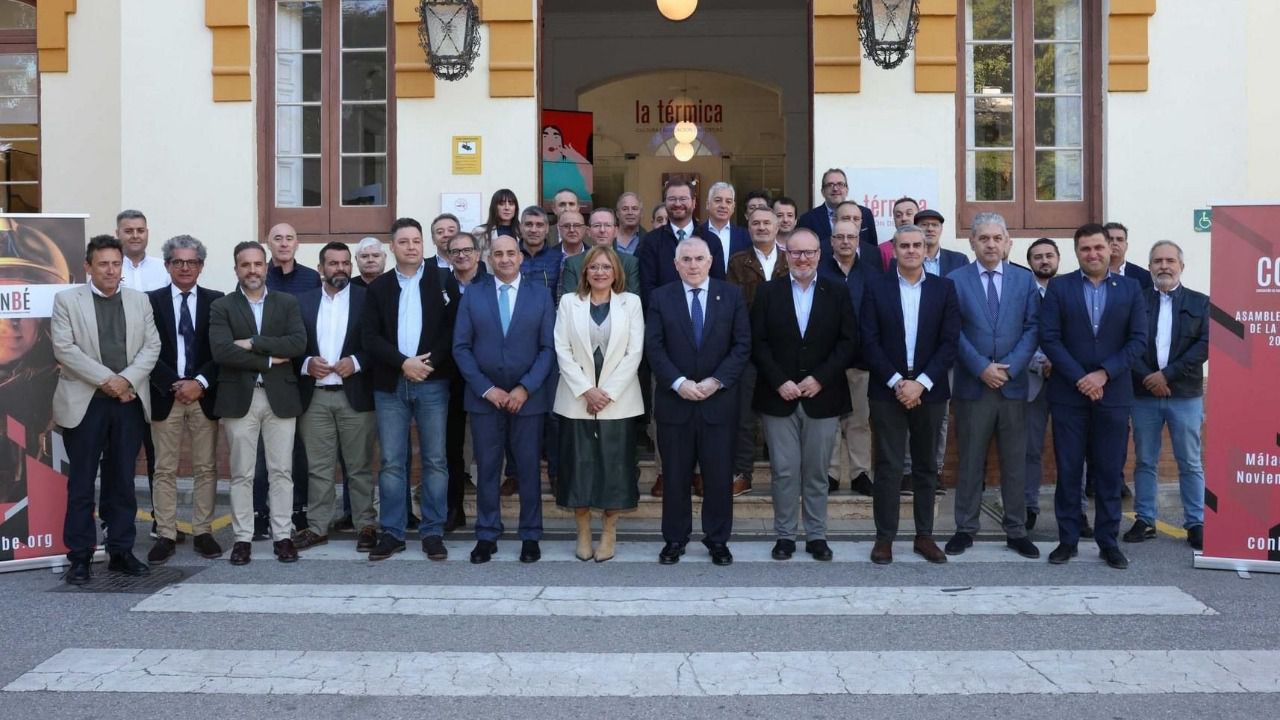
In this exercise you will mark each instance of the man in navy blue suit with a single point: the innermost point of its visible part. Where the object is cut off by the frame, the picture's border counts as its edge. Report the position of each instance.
(998, 306)
(834, 188)
(1118, 240)
(732, 238)
(1093, 328)
(697, 339)
(657, 253)
(911, 324)
(503, 345)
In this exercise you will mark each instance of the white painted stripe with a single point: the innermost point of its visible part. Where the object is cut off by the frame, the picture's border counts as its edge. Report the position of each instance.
(621, 601)
(747, 551)
(1041, 672)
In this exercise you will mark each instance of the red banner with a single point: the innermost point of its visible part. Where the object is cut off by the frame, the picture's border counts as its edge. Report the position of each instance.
(1242, 440)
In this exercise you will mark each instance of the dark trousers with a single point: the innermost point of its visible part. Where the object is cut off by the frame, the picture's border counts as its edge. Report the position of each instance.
(491, 436)
(109, 437)
(455, 439)
(707, 446)
(744, 442)
(1100, 435)
(300, 475)
(890, 424)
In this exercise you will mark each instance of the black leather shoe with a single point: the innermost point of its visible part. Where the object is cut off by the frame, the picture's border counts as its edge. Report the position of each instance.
(720, 554)
(1062, 554)
(261, 527)
(483, 551)
(1114, 557)
(285, 551)
(670, 553)
(958, 543)
(862, 485)
(819, 550)
(832, 484)
(1086, 531)
(454, 519)
(161, 551)
(125, 562)
(1139, 532)
(240, 553)
(387, 546)
(1032, 516)
(433, 546)
(181, 537)
(529, 551)
(308, 539)
(784, 549)
(206, 547)
(1023, 547)
(1195, 537)
(80, 572)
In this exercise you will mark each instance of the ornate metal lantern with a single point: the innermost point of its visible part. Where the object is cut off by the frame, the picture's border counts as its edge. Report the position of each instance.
(449, 32)
(888, 29)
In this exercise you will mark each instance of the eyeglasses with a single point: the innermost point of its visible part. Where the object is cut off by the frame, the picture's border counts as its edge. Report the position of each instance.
(457, 252)
(186, 263)
(602, 226)
(599, 268)
(803, 254)
(835, 185)
(572, 226)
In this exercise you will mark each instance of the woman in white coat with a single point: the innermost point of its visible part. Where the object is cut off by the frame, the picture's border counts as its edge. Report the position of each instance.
(599, 339)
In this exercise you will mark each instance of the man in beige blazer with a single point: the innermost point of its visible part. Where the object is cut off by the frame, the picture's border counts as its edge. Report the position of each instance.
(105, 340)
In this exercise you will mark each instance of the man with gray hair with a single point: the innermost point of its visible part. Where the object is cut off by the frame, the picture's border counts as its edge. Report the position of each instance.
(183, 383)
(371, 261)
(733, 238)
(630, 210)
(998, 322)
(1168, 389)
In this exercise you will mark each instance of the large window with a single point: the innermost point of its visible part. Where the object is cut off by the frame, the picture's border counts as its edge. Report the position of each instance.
(19, 109)
(327, 119)
(1028, 142)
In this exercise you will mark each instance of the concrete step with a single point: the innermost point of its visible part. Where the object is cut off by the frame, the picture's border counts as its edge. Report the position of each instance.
(753, 506)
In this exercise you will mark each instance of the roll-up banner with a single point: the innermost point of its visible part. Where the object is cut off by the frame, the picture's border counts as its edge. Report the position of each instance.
(39, 256)
(1242, 403)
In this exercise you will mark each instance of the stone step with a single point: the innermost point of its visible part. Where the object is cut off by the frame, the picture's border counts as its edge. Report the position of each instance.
(756, 505)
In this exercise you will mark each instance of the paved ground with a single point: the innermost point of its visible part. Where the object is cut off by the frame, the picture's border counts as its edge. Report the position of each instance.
(334, 636)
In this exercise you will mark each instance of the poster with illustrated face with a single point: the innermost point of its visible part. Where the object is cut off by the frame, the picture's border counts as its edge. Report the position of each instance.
(40, 255)
(566, 155)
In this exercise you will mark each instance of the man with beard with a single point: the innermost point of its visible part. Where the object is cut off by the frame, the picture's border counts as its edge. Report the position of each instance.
(1042, 258)
(784, 208)
(337, 401)
(658, 249)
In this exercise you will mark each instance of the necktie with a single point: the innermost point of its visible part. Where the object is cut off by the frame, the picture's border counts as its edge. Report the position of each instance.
(188, 332)
(680, 238)
(993, 300)
(504, 308)
(697, 317)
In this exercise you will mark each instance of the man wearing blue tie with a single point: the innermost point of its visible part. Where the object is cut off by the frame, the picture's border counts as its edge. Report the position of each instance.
(503, 346)
(998, 306)
(1093, 328)
(697, 339)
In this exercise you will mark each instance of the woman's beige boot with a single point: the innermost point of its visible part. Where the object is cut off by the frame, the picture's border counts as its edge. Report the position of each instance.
(608, 536)
(583, 516)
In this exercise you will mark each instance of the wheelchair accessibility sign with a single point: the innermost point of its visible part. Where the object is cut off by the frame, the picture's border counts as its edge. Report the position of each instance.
(1202, 220)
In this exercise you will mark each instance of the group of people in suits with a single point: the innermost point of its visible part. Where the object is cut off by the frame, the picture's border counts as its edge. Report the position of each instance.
(799, 323)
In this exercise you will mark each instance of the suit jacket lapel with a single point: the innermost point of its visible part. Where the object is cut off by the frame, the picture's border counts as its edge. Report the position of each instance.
(618, 335)
(90, 320)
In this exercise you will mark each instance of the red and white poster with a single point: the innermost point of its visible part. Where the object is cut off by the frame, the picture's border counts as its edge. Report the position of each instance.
(1242, 436)
(39, 256)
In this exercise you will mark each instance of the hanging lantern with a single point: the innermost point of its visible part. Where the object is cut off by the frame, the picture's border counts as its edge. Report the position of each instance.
(449, 32)
(677, 10)
(685, 132)
(888, 30)
(683, 152)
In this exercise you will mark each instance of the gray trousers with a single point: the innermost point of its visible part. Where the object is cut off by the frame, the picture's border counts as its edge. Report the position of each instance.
(799, 450)
(744, 451)
(329, 424)
(977, 421)
(1037, 417)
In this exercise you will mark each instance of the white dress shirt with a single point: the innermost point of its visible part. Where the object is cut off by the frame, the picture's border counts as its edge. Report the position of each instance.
(803, 299)
(767, 261)
(910, 295)
(688, 231)
(256, 308)
(688, 303)
(331, 333)
(177, 320)
(1164, 329)
(726, 239)
(146, 276)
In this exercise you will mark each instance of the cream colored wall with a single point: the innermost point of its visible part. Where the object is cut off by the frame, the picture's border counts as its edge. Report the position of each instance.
(424, 131)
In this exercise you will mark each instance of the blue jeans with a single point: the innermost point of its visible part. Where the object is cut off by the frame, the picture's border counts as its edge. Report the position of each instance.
(427, 404)
(1184, 417)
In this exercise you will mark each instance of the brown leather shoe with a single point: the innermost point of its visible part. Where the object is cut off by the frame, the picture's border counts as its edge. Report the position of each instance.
(285, 551)
(882, 552)
(309, 539)
(367, 540)
(697, 485)
(509, 487)
(741, 485)
(656, 490)
(926, 548)
(240, 553)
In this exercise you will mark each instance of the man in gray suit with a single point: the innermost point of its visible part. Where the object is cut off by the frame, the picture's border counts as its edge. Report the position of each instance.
(998, 310)
(105, 340)
(254, 334)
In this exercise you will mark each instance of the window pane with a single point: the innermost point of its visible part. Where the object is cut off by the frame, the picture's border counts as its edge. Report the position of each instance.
(297, 130)
(1059, 175)
(990, 175)
(20, 165)
(16, 15)
(364, 23)
(992, 68)
(1057, 19)
(990, 19)
(18, 74)
(298, 78)
(298, 182)
(1058, 122)
(1058, 68)
(19, 111)
(298, 26)
(991, 122)
(364, 76)
(364, 181)
(364, 129)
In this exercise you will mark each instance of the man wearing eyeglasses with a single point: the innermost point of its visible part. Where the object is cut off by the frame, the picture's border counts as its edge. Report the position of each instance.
(835, 187)
(183, 383)
(464, 257)
(657, 253)
(804, 335)
(602, 229)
